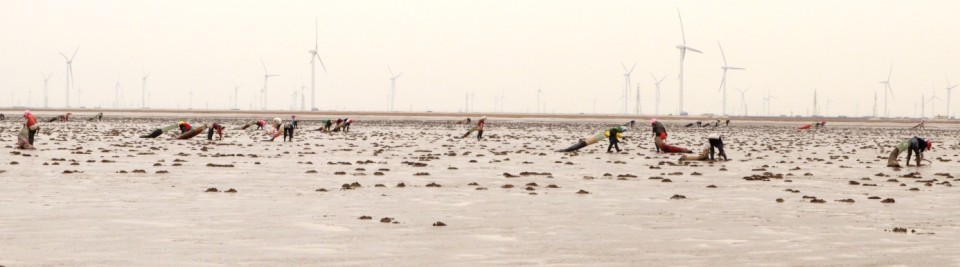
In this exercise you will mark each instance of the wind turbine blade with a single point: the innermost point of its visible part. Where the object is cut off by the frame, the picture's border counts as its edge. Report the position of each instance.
(64, 56)
(661, 78)
(735, 68)
(631, 68)
(316, 35)
(653, 76)
(321, 64)
(682, 34)
(75, 52)
(264, 66)
(624, 66)
(692, 49)
(890, 73)
(722, 54)
(722, 81)
(398, 75)
(391, 71)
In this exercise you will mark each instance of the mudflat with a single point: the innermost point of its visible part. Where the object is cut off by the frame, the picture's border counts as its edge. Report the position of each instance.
(409, 191)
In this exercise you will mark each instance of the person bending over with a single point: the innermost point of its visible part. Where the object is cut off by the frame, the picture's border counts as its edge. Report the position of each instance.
(914, 145)
(215, 128)
(614, 135)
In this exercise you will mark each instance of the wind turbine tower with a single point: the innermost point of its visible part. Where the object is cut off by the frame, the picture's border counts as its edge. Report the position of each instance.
(743, 100)
(638, 100)
(393, 87)
(933, 102)
(656, 100)
(46, 78)
(626, 86)
(723, 81)
(143, 89)
(814, 102)
(314, 57)
(263, 92)
(887, 89)
(683, 51)
(117, 88)
(539, 98)
(949, 94)
(69, 79)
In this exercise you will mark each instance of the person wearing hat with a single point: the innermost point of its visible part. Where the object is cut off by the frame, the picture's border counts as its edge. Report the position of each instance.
(914, 145)
(659, 133)
(614, 134)
(184, 127)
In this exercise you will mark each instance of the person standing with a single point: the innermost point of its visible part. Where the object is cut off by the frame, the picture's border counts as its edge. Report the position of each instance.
(288, 130)
(480, 124)
(659, 133)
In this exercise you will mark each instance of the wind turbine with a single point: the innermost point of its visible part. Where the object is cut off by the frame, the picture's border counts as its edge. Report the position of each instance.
(236, 95)
(887, 89)
(815, 103)
(626, 85)
(743, 100)
(143, 88)
(303, 98)
(314, 57)
(723, 81)
(683, 51)
(769, 99)
(393, 87)
(117, 88)
(263, 92)
(539, 97)
(46, 78)
(949, 91)
(933, 103)
(638, 100)
(69, 80)
(656, 82)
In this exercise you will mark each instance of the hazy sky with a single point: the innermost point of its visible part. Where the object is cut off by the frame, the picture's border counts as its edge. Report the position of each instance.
(572, 49)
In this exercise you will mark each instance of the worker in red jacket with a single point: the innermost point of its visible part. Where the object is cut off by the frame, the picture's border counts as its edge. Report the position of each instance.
(31, 124)
(184, 127)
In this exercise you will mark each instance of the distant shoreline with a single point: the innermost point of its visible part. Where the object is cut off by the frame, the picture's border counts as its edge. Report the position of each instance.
(314, 115)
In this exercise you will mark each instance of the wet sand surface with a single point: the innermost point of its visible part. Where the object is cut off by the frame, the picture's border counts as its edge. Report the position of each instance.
(95, 194)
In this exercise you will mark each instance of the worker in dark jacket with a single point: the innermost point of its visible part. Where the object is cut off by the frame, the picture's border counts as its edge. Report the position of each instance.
(614, 134)
(659, 133)
(914, 145)
(216, 127)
